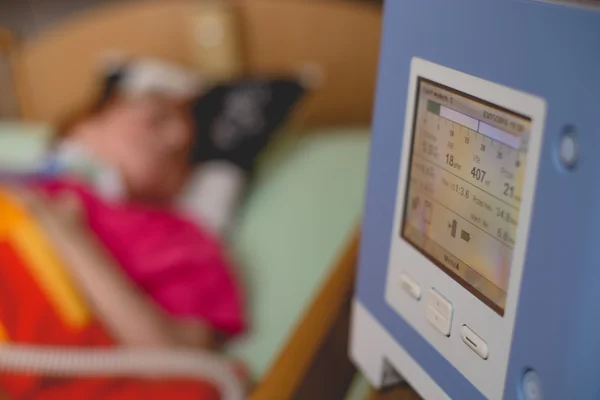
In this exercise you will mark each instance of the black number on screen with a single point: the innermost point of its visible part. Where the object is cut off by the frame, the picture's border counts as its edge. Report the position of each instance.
(509, 190)
(452, 132)
(483, 147)
(450, 159)
(478, 174)
(505, 215)
(467, 139)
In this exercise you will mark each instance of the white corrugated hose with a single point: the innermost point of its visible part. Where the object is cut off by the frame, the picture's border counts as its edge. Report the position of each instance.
(120, 362)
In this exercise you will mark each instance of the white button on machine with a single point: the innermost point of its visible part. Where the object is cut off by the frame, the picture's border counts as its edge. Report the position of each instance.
(440, 304)
(439, 312)
(474, 342)
(438, 321)
(410, 286)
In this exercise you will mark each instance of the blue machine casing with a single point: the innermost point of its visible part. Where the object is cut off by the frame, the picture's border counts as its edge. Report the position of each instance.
(551, 51)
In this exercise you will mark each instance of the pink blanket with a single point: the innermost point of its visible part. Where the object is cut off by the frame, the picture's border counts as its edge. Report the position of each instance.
(182, 267)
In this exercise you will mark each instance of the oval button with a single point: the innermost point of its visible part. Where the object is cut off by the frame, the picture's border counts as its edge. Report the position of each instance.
(531, 386)
(410, 286)
(474, 342)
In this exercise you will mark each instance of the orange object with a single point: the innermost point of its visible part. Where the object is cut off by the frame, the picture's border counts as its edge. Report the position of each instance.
(40, 305)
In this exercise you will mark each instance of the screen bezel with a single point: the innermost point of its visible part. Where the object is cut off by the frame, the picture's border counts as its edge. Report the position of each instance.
(481, 296)
(495, 329)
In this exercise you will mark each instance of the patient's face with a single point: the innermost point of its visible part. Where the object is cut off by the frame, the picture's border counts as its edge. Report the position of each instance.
(147, 139)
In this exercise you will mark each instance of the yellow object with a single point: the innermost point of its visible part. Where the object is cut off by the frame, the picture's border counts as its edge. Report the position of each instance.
(17, 227)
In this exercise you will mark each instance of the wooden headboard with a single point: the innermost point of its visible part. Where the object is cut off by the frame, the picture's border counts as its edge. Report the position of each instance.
(334, 40)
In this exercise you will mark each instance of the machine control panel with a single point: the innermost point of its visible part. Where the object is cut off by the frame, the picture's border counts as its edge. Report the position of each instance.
(465, 190)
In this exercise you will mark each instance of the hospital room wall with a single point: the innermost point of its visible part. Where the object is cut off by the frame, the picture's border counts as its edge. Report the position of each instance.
(27, 17)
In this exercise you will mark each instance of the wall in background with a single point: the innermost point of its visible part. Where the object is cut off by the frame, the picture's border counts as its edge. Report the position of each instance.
(27, 17)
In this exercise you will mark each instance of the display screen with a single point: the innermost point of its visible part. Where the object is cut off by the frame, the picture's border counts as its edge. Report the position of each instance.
(464, 187)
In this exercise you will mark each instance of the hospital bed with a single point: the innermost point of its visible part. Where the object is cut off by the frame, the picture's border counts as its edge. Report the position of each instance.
(297, 288)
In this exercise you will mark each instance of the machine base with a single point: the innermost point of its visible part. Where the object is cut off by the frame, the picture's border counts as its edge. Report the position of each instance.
(382, 361)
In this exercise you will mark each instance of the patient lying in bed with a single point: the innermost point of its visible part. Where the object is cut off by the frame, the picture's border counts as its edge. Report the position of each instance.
(149, 260)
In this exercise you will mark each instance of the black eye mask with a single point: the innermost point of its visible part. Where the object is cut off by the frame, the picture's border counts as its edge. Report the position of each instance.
(236, 121)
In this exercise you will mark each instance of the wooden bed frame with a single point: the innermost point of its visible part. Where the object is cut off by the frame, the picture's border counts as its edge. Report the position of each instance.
(335, 42)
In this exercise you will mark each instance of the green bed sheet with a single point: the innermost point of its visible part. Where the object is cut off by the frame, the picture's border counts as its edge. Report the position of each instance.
(305, 202)
(23, 145)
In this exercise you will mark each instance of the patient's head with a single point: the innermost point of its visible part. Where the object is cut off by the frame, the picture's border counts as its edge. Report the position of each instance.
(147, 139)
